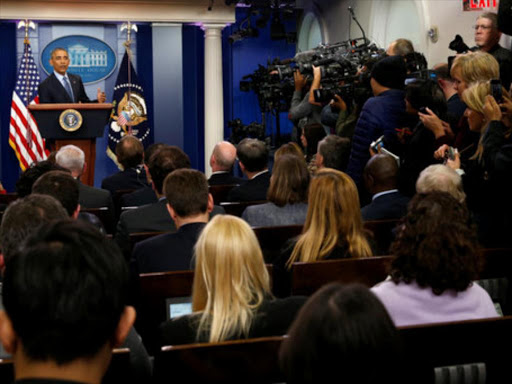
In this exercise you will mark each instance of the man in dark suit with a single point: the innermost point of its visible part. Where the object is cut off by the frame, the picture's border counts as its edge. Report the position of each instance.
(63, 87)
(380, 177)
(129, 152)
(222, 161)
(73, 159)
(253, 160)
(189, 205)
(145, 195)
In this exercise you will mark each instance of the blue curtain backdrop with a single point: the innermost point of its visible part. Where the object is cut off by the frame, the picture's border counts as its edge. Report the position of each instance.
(9, 170)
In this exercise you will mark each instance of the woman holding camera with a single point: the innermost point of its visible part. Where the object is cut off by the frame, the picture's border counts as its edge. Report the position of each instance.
(486, 174)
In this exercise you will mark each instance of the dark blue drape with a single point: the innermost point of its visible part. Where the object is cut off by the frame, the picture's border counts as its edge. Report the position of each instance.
(9, 171)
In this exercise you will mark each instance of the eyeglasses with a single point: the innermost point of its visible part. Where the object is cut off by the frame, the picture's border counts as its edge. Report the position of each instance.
(476, 27)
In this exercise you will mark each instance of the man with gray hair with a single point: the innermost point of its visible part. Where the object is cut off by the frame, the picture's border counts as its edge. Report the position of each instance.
(487, 37)
(441, 178)
(221, 161)
(73, 159)
(400, 47)
(333, 152)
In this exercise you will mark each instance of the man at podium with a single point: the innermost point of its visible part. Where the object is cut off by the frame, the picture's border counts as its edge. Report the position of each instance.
(63, 87)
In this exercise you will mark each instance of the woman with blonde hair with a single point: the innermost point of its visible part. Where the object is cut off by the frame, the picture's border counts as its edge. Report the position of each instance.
(333, 227)
(471, 67)
(482, 184)
(231, 295)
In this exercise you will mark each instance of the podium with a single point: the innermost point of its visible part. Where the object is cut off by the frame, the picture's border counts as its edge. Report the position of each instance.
(77, 124)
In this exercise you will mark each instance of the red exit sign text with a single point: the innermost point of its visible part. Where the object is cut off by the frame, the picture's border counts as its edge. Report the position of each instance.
(478, 4)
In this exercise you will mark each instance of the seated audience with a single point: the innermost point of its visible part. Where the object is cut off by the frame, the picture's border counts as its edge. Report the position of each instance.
(310, 137)
(253, 160)
(231, 295)
(189, 205)
(441, 178)
(221, 161)
(31, 174)
(130, 153)
(342, 332)
(287, 195)
(64, 295)
(73, 159)
(333, 227)
(380, 179)
(381, 114)
(62, 186)
(333, 152)
(153, 217)
(146, 194)
(431, 279)
(290, 148)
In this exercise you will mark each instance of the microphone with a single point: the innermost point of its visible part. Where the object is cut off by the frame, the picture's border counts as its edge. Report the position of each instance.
(351, 10)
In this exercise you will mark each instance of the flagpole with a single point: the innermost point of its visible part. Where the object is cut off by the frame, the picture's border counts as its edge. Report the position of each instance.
(26, 100)
(129, 26)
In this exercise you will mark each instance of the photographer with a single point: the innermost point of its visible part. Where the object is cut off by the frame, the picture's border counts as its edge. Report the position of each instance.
(486, 174)
(301, 111)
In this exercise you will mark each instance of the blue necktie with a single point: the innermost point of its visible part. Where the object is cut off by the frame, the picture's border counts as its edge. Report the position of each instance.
(67, 86)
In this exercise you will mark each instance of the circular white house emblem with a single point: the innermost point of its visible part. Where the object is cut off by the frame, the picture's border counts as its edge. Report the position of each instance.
(70, 120)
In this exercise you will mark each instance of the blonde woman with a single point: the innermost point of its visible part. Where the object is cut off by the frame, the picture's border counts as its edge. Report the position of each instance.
(333, 227)
(231, 295)
(487, 188)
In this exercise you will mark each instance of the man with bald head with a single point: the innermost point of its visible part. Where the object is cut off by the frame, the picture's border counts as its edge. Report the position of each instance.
(222, 161)
(380, 178)
(400, 47)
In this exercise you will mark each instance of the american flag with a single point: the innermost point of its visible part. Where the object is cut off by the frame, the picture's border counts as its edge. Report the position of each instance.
(24, 136)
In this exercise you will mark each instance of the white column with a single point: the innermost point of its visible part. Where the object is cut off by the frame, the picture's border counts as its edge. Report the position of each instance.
(213, 91)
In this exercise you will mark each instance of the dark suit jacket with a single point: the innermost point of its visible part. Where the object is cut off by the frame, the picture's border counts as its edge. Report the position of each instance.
(139, 197)
(224, 178)
(168, 252)
(91, 197)
(272, 318)
(51, 90)
(388, 206)
(251, 190)
(148, 218)
(131, 178)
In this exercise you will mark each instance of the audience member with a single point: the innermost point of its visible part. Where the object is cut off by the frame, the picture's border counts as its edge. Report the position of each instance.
(31, 174)
(221, 161)
(424, 139)
(231, 295)
(333, 152)
(455, 107)
(312, 134)
(146, 194)
(73, 159)
(484, 197)
(380, 179)
(301, 111)
(129, 152)
(189, 205)
(435, 266)
(441, 178)
(345, 332)
(287, 195)
(400, 47)
(62, 186)
(253, 160)
(290, 148)
(380, 115)
(333, 227)
(466, 69)
(64, 296)
(487, 38)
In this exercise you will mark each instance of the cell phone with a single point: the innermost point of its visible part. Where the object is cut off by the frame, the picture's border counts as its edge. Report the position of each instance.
(449, 155)
(377, 144)
(496, 90)
(423, 110)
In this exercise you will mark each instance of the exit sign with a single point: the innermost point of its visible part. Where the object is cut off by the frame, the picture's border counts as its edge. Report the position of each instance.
(478, 5)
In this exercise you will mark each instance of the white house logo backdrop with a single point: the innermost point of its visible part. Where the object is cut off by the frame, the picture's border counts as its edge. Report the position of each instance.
(90, 58)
